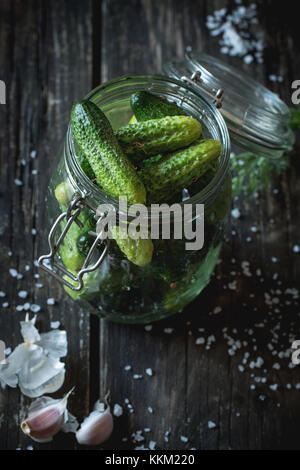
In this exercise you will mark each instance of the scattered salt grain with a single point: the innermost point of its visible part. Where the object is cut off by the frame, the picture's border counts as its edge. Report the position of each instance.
(200, 340)
(184, 439)
(33, 154)
(137, 376)
(168, 331)
(23, 294)
(51, 301)
(235, 213)
(18, 182)
(148, 327)
(118, 410)
(273, 387)
(2, 294)
(211, 425)
(128, 367)
(35, 308)
(152, 445)
(296, 248)
(13, 272)
(5, 305)
(150, 409)
(33, 231)
(55, 324)
(149, 372)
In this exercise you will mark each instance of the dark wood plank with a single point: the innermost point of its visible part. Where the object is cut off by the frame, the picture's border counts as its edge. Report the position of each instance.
(46, 61)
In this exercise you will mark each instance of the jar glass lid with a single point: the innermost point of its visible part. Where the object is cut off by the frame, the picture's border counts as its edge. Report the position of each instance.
(257, 119)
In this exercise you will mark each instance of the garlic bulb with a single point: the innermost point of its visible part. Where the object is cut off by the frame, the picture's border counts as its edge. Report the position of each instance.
(46, 417)
(97, 427)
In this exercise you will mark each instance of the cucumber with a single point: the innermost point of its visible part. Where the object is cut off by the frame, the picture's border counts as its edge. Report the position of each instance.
(147, 138)
(64, 193)
(72, 251)
(146, 106)
(138, 251)
(95, 137)
(177, 170)
(84, 163)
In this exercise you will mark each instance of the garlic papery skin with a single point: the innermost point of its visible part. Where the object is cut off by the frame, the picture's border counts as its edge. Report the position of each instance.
(35, 365)
(97, 427)
(45, 418)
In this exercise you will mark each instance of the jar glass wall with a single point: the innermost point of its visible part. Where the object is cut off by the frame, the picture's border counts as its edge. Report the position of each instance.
(119, 290)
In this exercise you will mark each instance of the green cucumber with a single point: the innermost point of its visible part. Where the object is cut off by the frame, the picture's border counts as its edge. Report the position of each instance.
(146, 106)
(64, 194)
(84, 163)
(177, 170)
(147, 138)
(72, 251)
(95, 137)
(138, 251)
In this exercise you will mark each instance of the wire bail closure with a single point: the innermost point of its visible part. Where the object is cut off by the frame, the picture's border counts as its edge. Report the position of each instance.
(196, 80)
(48, 263)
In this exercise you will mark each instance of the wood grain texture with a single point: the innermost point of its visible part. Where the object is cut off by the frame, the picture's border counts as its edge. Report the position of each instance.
(46, 62)
(56, 51)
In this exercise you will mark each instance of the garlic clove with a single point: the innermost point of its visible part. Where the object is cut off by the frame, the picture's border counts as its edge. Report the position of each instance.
(44, 425)
(45, 418)
(97, 427)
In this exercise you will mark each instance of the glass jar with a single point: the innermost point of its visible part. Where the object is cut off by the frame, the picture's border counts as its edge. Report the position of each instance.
(108, 284)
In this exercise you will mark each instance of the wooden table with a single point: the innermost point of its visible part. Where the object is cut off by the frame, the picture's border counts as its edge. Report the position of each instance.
(52, 53)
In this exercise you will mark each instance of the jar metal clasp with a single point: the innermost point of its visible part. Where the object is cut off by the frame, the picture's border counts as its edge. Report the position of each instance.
(196, 80)
(48, 262)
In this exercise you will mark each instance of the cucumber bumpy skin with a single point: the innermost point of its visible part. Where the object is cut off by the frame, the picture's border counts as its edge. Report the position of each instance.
(146, 106)
(138, 251)
(84, 163)
(176, 170)
(147, 138)
(95, 137)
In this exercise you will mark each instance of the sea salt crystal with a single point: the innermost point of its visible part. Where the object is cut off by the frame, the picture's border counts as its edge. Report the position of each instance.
(200, 340)
(51, 301)
(23, 294)
(33, 231)
(5, 305)
(33, 154)
(152, 445)
(118, 410)
(217, 310)
(184, 439)
(35, 308)
(148, 327)
(13, 272)
(211, 425)
(168, 331)
(55, 324)
(137, 376)
(18, 182)
(128, 367)
(149, 372)
(296, 248)
(273, 387)
(2, 294)
(235, 213)
(150, 409)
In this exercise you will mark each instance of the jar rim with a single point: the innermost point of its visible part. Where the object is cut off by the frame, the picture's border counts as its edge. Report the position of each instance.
(84, 185)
